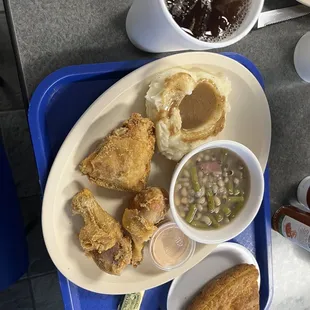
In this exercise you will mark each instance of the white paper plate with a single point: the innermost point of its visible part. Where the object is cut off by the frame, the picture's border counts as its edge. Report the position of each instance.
(225, 256)
(248, 123)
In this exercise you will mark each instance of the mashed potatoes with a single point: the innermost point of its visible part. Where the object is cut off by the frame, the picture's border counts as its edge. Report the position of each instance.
(187, 107)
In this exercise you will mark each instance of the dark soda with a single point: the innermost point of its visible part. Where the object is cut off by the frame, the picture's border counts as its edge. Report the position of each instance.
(208, 20)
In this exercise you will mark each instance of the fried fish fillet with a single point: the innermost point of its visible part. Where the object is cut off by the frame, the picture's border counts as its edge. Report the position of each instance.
(235, 289)
(102, 236)
(147, 209)
(123, 160)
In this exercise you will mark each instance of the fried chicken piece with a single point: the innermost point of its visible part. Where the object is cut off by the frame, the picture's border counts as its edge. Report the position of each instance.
(102, 236)
(114, 260)
(146, 210)
(123, 160)
(236, 288)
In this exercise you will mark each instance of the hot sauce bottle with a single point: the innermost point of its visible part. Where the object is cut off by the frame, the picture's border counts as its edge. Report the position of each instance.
(293, 224)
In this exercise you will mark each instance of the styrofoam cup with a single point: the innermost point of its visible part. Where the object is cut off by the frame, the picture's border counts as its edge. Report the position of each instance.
(151, 28)
(302, 57)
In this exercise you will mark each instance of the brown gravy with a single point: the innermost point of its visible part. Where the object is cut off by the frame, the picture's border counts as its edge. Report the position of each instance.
(195, 109)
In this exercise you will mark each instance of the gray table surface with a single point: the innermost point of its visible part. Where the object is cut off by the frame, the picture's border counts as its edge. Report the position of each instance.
(53, 34)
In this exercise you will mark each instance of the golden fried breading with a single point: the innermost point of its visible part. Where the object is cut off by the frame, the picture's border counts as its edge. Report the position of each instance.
(123, 160)
(102, 236)
(114, 260)
(146, 210)
(234, 289)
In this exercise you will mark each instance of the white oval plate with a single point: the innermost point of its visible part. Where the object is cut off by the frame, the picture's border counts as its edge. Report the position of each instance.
(248, 123)
(227, 255)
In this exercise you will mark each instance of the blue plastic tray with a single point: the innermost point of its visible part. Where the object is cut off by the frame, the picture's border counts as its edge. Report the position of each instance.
(57, 104)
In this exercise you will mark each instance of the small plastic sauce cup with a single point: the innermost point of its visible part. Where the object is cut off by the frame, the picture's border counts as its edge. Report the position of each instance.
(170, 247)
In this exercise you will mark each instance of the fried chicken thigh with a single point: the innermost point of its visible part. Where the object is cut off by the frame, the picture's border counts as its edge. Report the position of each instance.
(123, 160)
(101, 237)
(146, 210)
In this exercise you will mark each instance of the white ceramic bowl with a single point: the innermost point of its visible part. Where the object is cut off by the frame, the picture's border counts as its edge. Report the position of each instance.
(250, 209)
(151, 28)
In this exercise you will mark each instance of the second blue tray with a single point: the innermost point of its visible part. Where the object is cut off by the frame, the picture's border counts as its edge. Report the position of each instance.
(57, 104)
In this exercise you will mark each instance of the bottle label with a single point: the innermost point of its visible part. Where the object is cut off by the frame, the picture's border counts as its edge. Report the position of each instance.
(296, 231)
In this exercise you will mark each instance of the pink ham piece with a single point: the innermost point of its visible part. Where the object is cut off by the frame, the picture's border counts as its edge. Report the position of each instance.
(210, 166)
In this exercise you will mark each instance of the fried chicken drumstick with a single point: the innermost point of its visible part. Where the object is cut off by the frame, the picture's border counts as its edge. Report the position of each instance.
(101, 237)
(146, 210)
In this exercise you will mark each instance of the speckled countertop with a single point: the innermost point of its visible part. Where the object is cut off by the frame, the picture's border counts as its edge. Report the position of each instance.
(53, 34)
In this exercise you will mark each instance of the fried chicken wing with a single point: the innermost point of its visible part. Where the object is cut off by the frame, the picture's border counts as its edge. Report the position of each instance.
(123, 160)
(102, 236)
(146, 210)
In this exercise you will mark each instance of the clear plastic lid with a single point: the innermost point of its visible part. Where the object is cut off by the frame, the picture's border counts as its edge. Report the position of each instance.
(170, 247)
